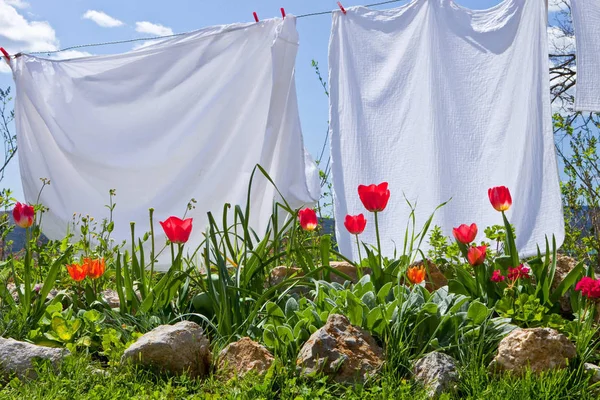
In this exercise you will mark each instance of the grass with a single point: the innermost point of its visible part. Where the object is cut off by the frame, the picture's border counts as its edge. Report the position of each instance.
(76, 380)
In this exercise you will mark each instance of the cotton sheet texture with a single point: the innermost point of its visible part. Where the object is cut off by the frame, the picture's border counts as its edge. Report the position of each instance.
(186, 118)
(586, 19)
(443, 103)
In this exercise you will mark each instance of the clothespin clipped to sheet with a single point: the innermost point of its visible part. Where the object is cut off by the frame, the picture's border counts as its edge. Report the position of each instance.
(282, 13)
(6, 55)
(255, 16)
(341, 7)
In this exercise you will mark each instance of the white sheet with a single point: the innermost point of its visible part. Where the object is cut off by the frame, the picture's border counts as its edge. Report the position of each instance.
(186, 118)
(586, 20)
(444, 102)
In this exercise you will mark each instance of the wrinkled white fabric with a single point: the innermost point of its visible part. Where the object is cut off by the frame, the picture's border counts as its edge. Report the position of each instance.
(189, 117)
(586, 20)
(443, 103)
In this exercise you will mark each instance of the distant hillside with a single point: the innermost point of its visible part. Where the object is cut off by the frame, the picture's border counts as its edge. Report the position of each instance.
(17, 236)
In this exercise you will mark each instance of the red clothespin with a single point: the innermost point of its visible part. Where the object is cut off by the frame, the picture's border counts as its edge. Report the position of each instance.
(6, 55)
(282, 12)
(255, 16)
(341, 7)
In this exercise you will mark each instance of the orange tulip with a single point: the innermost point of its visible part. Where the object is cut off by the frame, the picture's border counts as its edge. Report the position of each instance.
(95, 268)
(416, 274)
(78, 272)
(476, 255)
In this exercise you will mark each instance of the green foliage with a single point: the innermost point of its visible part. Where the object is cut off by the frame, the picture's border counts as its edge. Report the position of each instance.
(581, 185)
(439, 321)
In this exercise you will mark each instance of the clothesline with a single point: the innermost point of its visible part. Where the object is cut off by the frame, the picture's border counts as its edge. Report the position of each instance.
(180, 34)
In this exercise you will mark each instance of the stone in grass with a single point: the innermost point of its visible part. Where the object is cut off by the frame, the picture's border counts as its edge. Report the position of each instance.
(436, 372)
(594, 372)
(243, 356)
(341, 351)
(174, 349)
(17, 357)
(539, 349)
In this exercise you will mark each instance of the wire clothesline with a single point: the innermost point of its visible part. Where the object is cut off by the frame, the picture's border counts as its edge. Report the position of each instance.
(181, 34)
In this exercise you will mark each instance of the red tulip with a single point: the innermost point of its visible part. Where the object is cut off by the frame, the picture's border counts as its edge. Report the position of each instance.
(374, 197)
(500, 198)
(78, 272)
(176, 229)
(465, 233)
(355, 223)
(476, 255)
(308, 219)
(23, 215)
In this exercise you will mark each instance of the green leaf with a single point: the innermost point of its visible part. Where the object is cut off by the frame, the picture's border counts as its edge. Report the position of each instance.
(455, 286)
(51, 277)
(65, 330)
(92, 316)
(274, 311)
(291, 306)
(285, 334)
(467, 280)
(269, 336)
(384, 292)
(477, 312)
(510, 242)
(375, 316)
(369, 300)
(569, 281)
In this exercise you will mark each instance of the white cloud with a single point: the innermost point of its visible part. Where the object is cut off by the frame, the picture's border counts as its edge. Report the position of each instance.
(19, 34)
(102, 19)
(17, 3)
(153, 29)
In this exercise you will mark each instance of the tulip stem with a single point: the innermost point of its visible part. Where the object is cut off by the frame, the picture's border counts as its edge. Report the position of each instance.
(359, 264)
(152, 251)
(378, 245)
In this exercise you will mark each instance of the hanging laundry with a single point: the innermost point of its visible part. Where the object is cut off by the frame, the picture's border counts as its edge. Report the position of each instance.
(586, 20)
(185, 118)
(443, 102)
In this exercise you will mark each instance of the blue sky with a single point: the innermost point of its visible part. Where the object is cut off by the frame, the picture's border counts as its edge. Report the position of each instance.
(38, 25)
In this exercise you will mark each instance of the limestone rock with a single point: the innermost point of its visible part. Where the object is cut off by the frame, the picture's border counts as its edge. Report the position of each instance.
(341, 351)
(111, 297)
(541, 349)
(436, 372)
(345, 268)
(173, 349)
(594, 371)
(281, 273)
(564, 265)
(243, 356)
(16, 357)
